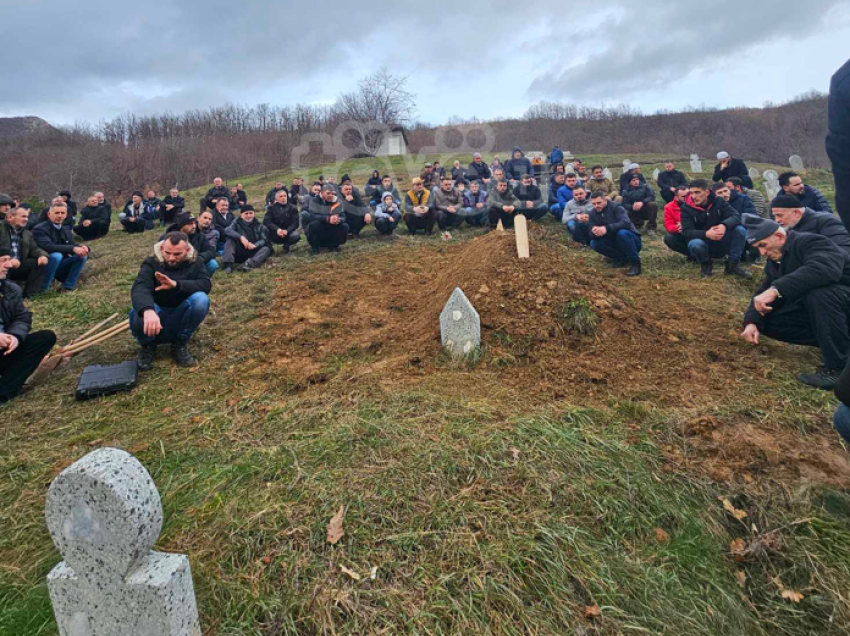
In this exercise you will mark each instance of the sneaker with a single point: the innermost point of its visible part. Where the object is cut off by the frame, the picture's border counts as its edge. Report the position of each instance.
(822, 378)
(733, 268)
(650, 232)
(228, 270)
(634, 270)
(180, 354)
(447, 236)
(706, 269)
(147, 353)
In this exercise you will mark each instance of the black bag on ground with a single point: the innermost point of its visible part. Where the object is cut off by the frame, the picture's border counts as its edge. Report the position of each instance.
(98, 380)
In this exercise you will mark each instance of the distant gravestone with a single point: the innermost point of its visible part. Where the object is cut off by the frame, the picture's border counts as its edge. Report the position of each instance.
(796, 162)
(104, 515)
(754, 173)
(460, 325)
(607, 173)
(655, 174)
(696, 164)
(771, 183)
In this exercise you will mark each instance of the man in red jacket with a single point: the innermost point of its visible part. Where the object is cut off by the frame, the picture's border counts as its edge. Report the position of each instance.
(673, 223)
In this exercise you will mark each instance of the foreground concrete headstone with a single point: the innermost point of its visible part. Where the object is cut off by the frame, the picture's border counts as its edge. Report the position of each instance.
(696, 164)
(796, 163)
(771, 183)
(104, 515)
(460, 325)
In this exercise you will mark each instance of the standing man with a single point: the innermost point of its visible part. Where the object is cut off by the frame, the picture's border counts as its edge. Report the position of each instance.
(669, 181)
(838, 139)
(66, 259)
(728, 166)
(28, 262)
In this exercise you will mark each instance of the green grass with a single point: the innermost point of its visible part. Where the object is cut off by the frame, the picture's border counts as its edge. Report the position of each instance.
(481, 515)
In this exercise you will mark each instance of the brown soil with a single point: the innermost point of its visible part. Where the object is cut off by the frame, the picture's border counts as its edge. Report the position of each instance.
(377, 322)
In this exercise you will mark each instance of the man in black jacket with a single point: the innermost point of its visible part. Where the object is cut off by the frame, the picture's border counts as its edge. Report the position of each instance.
(357, 214)
(247, 242)
(94, 220)
(628, 175)
(134, 217)
(669, 181)
(613, 234)
(379, 191)
(281, 220)
(66, 259)
(804, 297)
(72, 205)
(809, 197)
(20, 351)
(28, 263)
(326, 222)
(214, 194)
(170, 300)
(204, 249)
(788, 212)
(838, 139)
(639, 201)
(728, 167)
(713, 230)
(478, 170)
(172, 206)
(272, 194)
(223, 218)
(530, 197)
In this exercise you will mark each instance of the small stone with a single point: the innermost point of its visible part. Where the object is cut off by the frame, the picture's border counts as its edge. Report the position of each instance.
(484, 290)
(552, 284)
(457, 315)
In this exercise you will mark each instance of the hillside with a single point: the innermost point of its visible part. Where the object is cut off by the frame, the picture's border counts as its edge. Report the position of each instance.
(15, 127)
(558, 483)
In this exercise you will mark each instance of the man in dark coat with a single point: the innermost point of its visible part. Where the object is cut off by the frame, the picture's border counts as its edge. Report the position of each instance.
(517, 166)
(204, 249)
(729, 167)
(804, 297)
(628, 175)
(713, 230)
(838, 139)
(357, 213)
(788, 212)
(478, 170)
(378, 192)
(419, 211)
(21, 351)
(247, 242)
(172, 206)
(669, 181)
(66, 259)
(72, 205)
(613, 234)
(28, 262)
(448, 206)
(94, 220)
(792, 183)
(170, 300)
(281, 220)
(327, 227)
(530, 198)
(135, 217)
(222, 219)
(639, 201)
(218, 191)
(271, 194)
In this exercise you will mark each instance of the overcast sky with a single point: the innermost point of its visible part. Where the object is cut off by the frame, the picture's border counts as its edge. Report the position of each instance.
(93, 59)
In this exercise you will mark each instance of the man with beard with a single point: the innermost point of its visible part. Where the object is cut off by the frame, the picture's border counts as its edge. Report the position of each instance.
(247, 242)
(172, 206)
(755, 196)
(204, 250)
(27, 264)
(478, 170)
(448, 204)
(804, 297)
(639, 201)
(357, 213)
(94, 220)
(600, 183)
(327, 227)
(503, 205)
(281, 221)
(809, 197)
(206, 228)
(614, 235)
(530, 198)
(728, 166)
(170, 300)
(673, 223)
(669, 181)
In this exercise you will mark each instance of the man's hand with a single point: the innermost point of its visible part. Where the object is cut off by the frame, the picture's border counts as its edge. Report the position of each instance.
(132, 219)
(679, 227)
(529, 204)
(599, 230)
(281, 233)
(478, 206)
(152, 324)
(582, 218)
(164, 281)
(86, 223)
(509, 209)
(763, 301)
(451, 209)
(42, 261)
(8, 342)
(367, 218)
(168, 206)
(716, 233)
(637, 206)
(14, 263)
(81, 250)
(751, 334)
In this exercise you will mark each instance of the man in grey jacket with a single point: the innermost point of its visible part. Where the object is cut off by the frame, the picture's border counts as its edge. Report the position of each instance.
(577, 216)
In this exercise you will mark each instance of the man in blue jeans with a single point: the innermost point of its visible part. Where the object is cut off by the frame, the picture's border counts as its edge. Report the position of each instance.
(713, 230)
(613, 234)
(66, 259)
(170, 300)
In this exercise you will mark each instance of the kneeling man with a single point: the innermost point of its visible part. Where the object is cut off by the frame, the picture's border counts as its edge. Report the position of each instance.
(170, 300)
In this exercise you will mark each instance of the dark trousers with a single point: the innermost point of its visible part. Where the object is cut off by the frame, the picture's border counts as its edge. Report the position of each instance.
(386, 225)
(424, 222)
(533, 214)
(506, 218)
(287, 241)
(625, 245)
(648, 213)
(355, 223)
(96, 230)
(842, 194)
(16, 367)
(323, 234)
(30, 275)
(137, 227)
(677, 243)
(819, 319)
(446, 220)
(732, 245)
(668, 195)
(235, 252)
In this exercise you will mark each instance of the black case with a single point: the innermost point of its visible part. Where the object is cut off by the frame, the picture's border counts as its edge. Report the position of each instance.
(98, 380)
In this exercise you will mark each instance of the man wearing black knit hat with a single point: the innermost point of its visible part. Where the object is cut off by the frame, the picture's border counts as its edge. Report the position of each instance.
(793, 215)
(247, 242)
(804, 297)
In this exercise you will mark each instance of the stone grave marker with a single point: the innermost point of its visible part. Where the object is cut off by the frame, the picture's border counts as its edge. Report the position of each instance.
(655, 174)
(607, 173)
(460, 325)
(796, 162)
(771, 183)
(104, 514)
(754, 174)
(696, 164)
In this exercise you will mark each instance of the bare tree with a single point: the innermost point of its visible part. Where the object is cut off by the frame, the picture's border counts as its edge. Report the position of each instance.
(379, 104)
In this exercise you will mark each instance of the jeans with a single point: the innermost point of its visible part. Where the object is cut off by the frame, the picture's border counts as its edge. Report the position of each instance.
(580, 232)
(841, 421)
(212, 266)
(476, 217)
(732, 245)
(557, 211)
(64, 268)
(178, 323)
(624, 246)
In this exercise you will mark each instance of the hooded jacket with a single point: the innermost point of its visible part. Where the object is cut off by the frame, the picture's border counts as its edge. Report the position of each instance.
(15, 318)
(392, 212)
(696, 220)
(255, 232)
(736, 168)
(372, 184)
(51, 240)
(556, 156)
(824, 224)
(812, 199)
(281, 217)
(613, 218)
(190, 275)
(516, 167)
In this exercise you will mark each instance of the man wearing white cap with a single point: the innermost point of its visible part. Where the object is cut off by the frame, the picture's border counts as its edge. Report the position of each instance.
(728, 167)
(626, 177)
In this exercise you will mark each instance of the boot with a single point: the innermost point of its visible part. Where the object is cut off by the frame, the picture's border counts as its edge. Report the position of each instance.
(733, 268)
(246, 267)
(147, 353)
(705, 269)
(822, 378)
(634, 270)
(180, 354)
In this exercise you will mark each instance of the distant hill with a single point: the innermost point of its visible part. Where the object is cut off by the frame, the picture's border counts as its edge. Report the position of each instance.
(13, 127)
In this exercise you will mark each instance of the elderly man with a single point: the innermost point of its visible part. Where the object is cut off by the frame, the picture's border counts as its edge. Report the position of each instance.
(727, 167)
(247, 242)
(673, 223)
(357, 213)
(577, 216)
(530, 197)
(475, 205)
(760, 203)
(66, 259)
(478, 170)
(28, 262)
(172, 206)
(628, 175)
(170, 299)
(327, 227)
(21, 351)
(223, 218)
(94, 220)
(790, 214)
(613, 234)
(598, 182)
(503, 205)
(792, 184)
(669, 181)
(281, 220)
(448, 205)
(804, 297)
(218, 191)
(639, 201)
(153, 207)
(135, 217)
(713, 230)
(419, 208)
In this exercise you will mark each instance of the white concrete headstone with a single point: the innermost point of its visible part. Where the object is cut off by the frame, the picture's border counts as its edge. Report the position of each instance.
(607, 173)
(754, 173)
(771, 183)
(655, 174)
(696, 164)
(796, 162)
(104, 515)
(460, 325)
